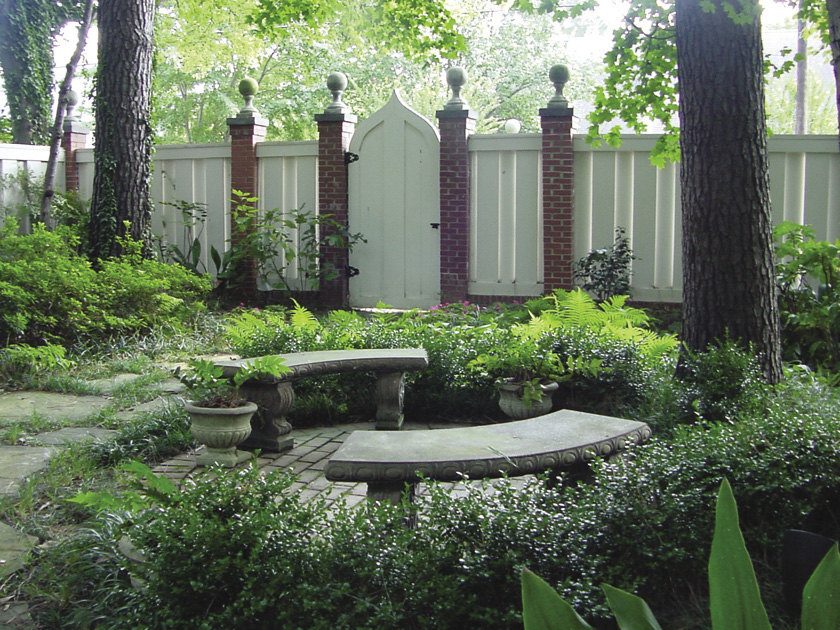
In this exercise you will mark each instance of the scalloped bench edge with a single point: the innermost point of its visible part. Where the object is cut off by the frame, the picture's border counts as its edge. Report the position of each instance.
(393, 463)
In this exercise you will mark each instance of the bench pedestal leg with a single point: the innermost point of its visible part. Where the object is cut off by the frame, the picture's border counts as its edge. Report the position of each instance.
(390, 388)
(395, 492)
(270, 431)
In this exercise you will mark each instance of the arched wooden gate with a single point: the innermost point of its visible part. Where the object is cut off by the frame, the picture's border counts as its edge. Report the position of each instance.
(394, 202)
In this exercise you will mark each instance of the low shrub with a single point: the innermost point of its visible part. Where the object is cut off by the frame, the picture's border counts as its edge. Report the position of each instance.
(50, 293)
(583, 331)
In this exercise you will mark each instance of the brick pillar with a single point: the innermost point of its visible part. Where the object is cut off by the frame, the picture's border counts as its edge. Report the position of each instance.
(335, 130)
(456, 122)
(247, 130)
(558, 188)
(74, 137)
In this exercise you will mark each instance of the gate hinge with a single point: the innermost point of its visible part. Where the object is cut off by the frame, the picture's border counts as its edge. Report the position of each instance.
(349, 158)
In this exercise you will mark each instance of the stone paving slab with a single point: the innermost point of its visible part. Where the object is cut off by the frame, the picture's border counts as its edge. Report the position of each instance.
(17, 406)
(108, 385)
(142, 408)
(19, 462)
(14, 545)
(15, 616)
(70, 435)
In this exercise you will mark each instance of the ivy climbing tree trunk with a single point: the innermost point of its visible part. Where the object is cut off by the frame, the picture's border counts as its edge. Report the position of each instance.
(728, 272)
(26, 28)
(123, 149)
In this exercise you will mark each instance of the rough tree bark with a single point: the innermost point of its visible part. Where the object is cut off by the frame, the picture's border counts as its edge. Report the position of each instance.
(728, 271)
(122, 153)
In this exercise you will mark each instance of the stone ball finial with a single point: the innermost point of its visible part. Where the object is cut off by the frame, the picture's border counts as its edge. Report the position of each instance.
(336, 83)
(456, 78)
(71, 99)
(559, 76)
(512, 125)
(248, 88)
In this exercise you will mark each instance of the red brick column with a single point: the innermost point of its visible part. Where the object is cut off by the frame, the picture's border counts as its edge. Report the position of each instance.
(558, 192)
(247, 130)
(74, 137)
(335, 131)
(456, 125)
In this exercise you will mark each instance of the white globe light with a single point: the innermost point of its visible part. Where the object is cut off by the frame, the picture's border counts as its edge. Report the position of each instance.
(512, 126)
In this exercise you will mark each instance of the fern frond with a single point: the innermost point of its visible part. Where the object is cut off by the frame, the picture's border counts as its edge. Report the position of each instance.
(302, 318)
(618, 313)
(577, 309)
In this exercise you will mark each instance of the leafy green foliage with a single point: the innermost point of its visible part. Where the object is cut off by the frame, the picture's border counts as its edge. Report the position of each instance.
(279, 242)
(209, 387)
(23, 361)
(151, 437)
(641, 82)
(735, 599)
(421, 28)
(733, 589)
(721, 384)
(600, 351)
(50, 293)
(188, 252)
(606, 272)
(544, 609)
(808, 274)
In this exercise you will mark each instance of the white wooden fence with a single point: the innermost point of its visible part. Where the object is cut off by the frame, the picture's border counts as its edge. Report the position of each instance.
(613, 187)
(16, 160)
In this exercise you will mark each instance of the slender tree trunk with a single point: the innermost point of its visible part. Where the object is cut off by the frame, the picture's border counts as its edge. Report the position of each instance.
(55, 139)
(123, 150)
(728, 271)
(800, 117)
(834, 40)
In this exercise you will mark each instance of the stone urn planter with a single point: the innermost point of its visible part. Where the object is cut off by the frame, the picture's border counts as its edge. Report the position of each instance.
(517, 407)
(221, 430)
(221, 417)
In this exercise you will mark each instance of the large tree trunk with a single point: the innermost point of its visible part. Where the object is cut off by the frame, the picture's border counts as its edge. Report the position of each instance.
(27, 63)
(123, 150)
(728, 272)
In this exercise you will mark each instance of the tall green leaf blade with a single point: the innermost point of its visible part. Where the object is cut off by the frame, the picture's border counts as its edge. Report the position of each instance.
(821, 597)
(631, 612)
(735, 601)
(544, 609)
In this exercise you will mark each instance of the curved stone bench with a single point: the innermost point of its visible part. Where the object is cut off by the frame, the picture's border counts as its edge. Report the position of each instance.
(553, 442)
(274, 394)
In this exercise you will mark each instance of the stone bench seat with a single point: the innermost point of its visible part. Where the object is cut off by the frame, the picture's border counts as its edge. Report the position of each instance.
(557, 441)
(274, 395)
